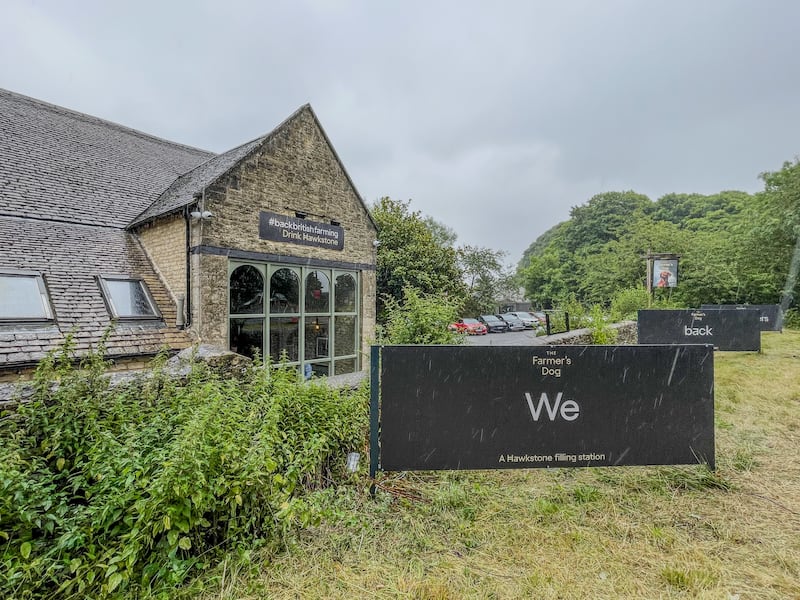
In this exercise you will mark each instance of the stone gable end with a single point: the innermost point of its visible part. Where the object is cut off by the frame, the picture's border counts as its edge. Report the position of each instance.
(294, 171)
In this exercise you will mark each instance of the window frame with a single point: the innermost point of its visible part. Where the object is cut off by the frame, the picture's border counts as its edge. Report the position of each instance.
(270, 312)
(109, 300)
(44, 297)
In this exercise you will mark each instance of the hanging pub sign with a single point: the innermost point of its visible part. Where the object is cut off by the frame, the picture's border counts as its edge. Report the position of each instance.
(725, 329)
(293, 230)
(665, 272)
(771, 317)
(509, 407)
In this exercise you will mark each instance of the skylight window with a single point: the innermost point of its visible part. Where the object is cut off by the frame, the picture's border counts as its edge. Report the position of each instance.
(23, 297)
(128, 298)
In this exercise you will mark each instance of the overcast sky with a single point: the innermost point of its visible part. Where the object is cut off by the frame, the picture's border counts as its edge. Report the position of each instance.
(492, 117)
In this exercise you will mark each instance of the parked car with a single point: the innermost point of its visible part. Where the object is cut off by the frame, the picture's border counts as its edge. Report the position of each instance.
(469, 326)
(514, 323)
(529, 320)
(493, 323)
(542, 317)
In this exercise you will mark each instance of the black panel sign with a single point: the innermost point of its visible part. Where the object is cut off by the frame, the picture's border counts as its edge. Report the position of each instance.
(280, 228)
(507, 407)
(725, 329)
(771, 318)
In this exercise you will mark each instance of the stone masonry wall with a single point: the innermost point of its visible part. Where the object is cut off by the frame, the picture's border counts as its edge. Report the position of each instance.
(626, 334)
(165, 243)
(295, 170)
(210, 299)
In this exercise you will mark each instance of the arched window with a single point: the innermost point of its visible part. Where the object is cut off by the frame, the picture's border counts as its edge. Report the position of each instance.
(284, 292)
(246, 291)
(318, 292)
(345, 293)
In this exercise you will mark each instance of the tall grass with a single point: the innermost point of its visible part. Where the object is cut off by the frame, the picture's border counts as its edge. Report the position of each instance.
(635, 532)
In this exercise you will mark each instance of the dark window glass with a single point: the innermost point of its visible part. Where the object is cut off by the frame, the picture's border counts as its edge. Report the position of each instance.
(247, 291)
(345, 336)
(129, 298)
(316, 336)
(284, 338)
(284, 292)
(247, 336)
(345, 293)
(318, 292)
(23, 297)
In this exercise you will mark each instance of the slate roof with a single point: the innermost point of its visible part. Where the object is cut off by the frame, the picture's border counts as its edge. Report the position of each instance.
(70, 184)
(69, 257)
(183, 191)
(63, 165)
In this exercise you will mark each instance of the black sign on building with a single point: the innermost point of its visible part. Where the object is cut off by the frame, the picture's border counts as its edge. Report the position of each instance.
(508, 407)
(771, 317)
(725, 329)
(293, 230)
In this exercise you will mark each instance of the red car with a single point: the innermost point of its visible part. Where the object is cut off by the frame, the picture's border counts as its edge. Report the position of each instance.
(468, 326)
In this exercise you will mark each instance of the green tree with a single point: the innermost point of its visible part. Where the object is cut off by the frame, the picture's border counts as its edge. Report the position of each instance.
(769, 238)
(605, 217)
(485, 277)
(442, 234)
(410, 256)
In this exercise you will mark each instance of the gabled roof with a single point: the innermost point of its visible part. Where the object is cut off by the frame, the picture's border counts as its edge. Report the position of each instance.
(187, 187)
(61, 165)
(183, 191)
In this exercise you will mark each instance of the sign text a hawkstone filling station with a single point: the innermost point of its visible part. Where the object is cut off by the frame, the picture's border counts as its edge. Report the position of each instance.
(457, 407)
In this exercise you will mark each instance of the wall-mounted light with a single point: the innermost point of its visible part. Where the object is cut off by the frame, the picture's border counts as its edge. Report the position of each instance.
(376, 243)
(300, 214)
(206, 214)
(316, 324)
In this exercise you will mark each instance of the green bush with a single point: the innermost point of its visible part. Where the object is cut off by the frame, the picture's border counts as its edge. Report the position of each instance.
(419, 319)
(601, 332)
(791, 319)
(626, 303)
(576, 311)
(126, 492)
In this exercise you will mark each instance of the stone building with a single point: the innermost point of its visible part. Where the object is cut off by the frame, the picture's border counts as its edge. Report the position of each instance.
(104, 230)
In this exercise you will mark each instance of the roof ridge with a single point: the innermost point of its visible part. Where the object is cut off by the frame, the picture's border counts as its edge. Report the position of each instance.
(97, 120)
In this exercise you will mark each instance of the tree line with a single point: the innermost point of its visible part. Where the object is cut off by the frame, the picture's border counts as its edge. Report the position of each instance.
(734, 247)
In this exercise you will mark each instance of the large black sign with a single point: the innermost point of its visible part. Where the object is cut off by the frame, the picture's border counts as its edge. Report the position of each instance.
(280, 228)
(725, 329)
(771, 318)
(505, 407)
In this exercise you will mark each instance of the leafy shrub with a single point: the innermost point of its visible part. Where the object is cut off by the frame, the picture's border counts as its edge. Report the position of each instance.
(126, 492)
(576, 311)
(791, 319)
(601, 332)
(419, 319)
(627, 302)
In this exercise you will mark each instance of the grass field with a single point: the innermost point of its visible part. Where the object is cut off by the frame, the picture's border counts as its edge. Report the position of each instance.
(641, 532)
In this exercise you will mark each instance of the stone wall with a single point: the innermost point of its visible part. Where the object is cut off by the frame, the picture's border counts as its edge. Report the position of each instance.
(295, 170)
(626, 335)
(210, 299)
(165, 243)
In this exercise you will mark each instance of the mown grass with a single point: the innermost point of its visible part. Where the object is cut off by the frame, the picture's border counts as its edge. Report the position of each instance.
(642, 532)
